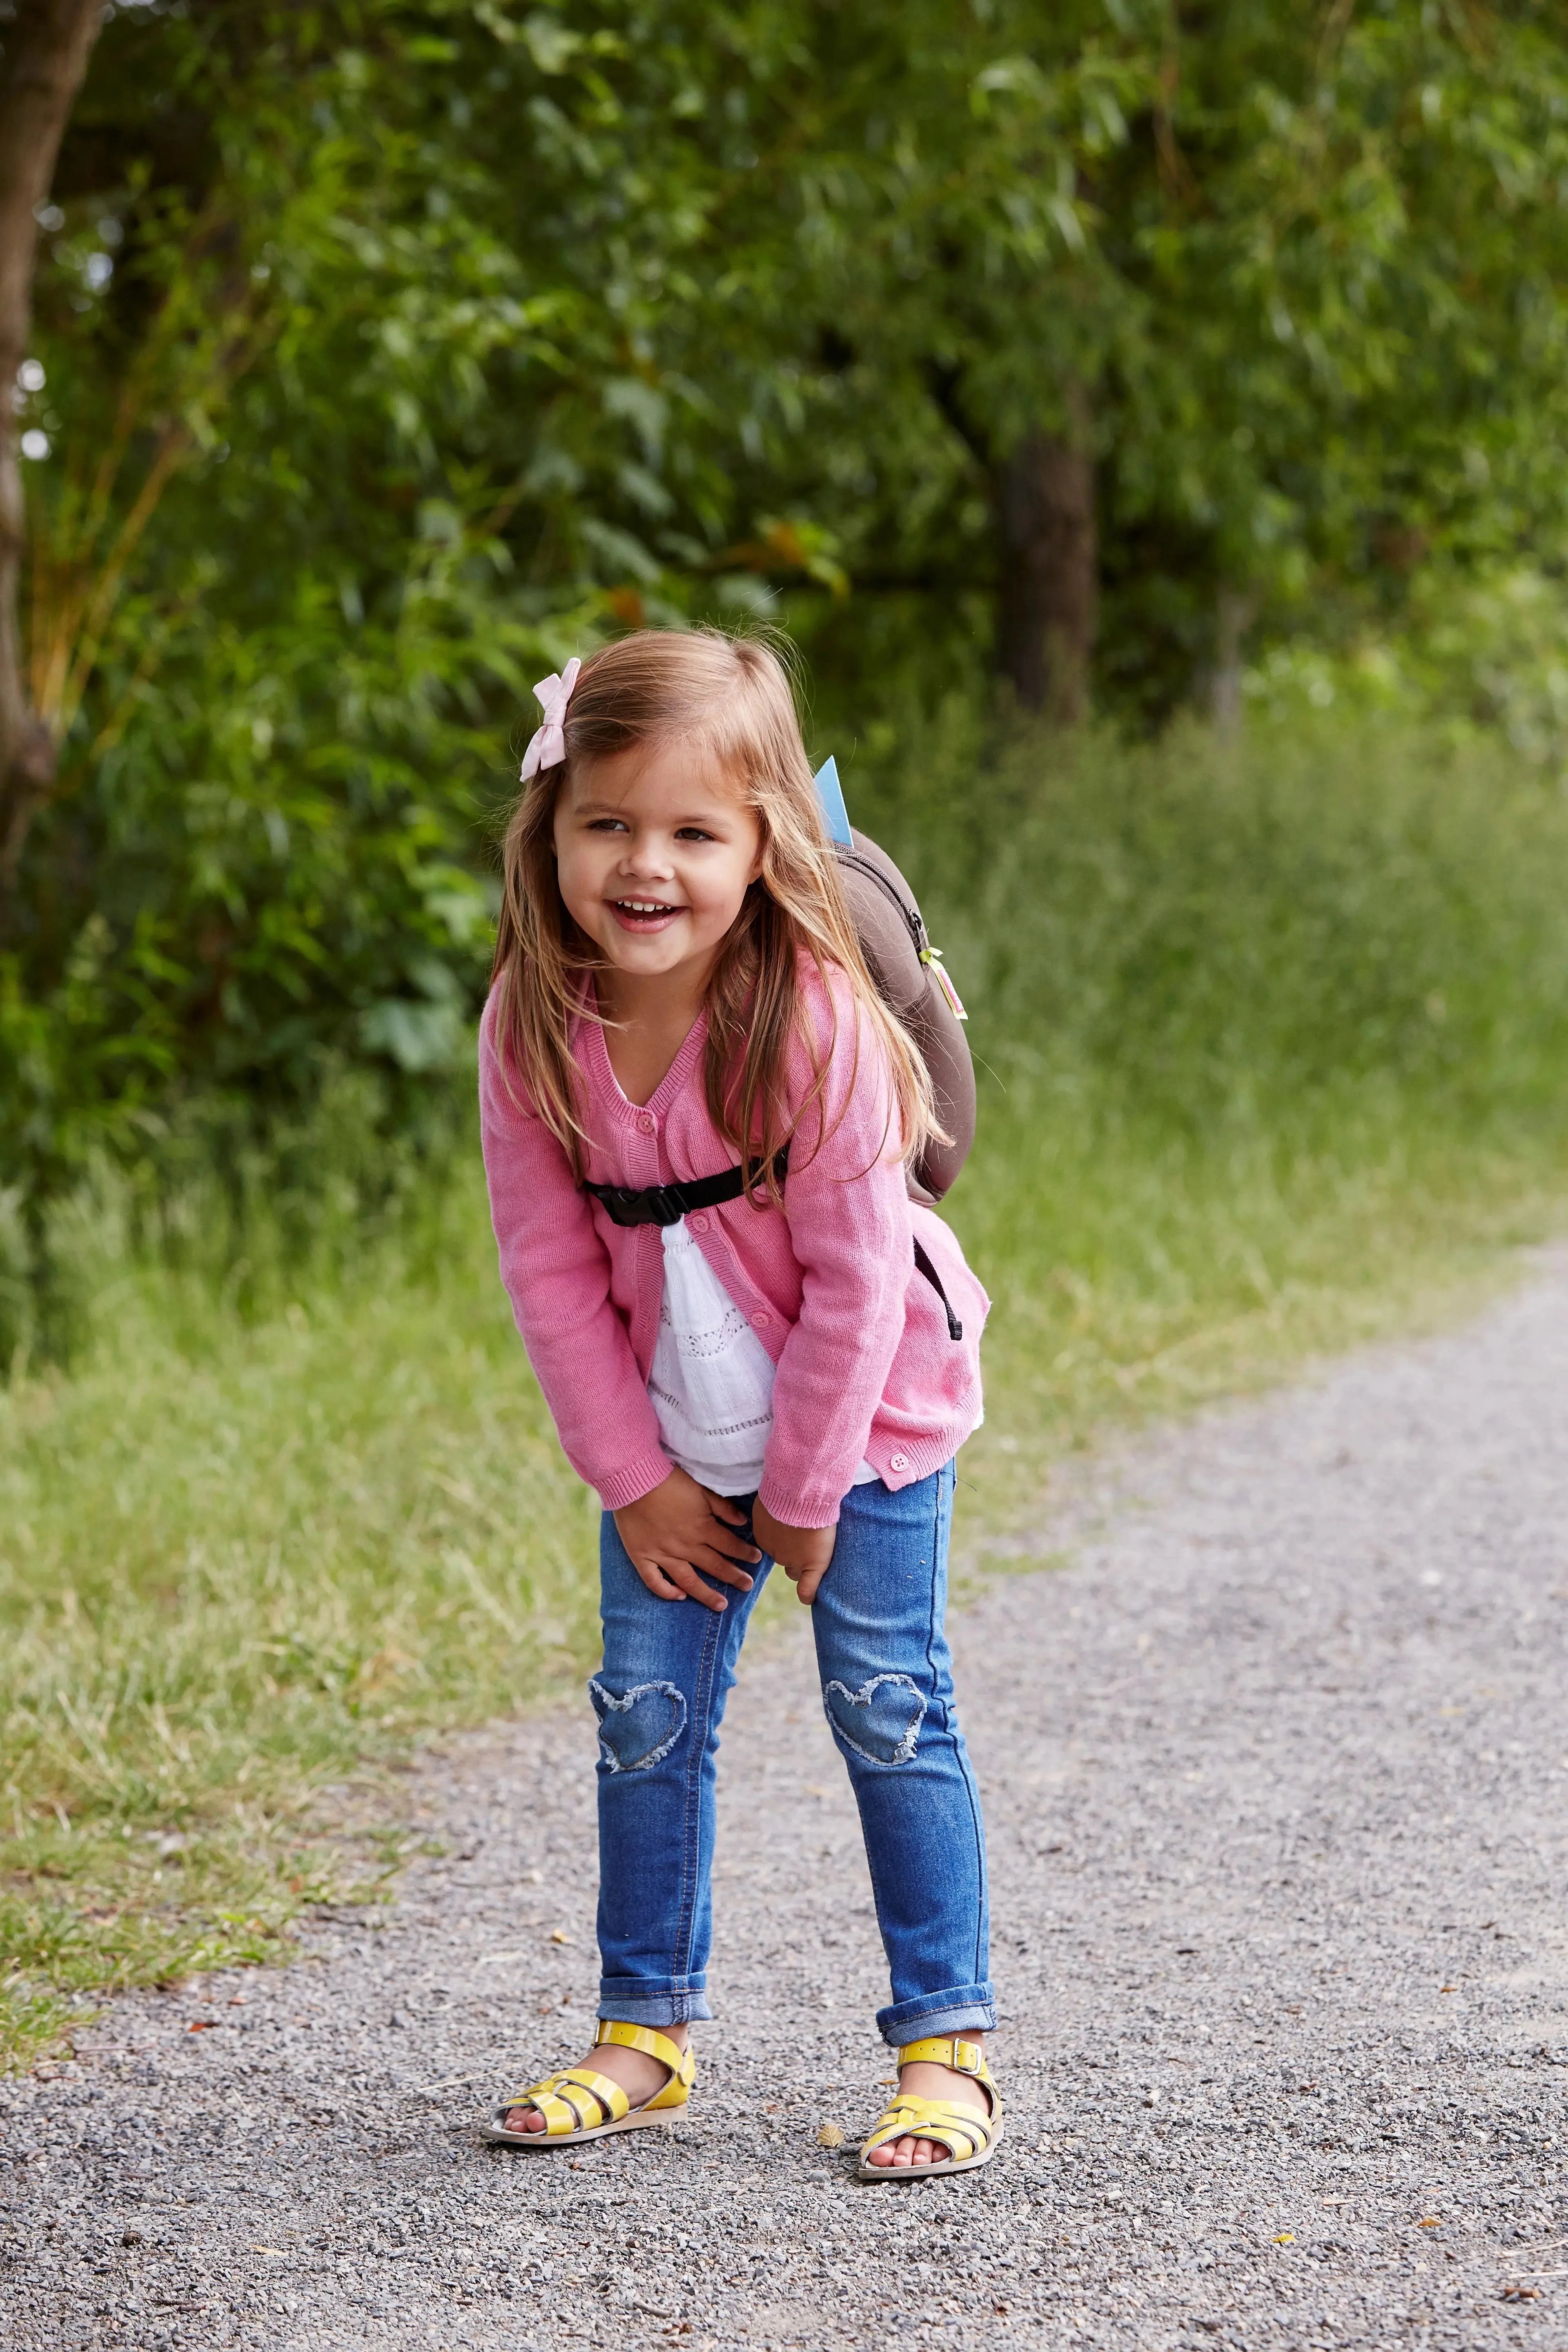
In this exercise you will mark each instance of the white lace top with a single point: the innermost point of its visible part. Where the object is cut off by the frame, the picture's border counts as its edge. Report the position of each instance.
(712, 1380)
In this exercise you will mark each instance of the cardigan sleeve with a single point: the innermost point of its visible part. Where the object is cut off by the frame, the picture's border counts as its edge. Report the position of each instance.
(556, 1272)
(847, 1209)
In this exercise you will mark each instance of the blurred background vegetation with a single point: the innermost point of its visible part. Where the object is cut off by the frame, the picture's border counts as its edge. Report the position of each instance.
(1148, 423)
(384, 354)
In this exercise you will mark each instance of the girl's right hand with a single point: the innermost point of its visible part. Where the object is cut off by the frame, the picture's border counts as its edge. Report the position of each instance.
(682, 1528)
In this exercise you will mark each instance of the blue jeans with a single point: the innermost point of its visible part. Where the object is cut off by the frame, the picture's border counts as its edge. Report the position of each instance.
(886, 1688)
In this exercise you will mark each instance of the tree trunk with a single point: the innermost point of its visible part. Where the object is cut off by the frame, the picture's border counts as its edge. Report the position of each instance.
(1234, 615)
(44, 50)
(1047, 605)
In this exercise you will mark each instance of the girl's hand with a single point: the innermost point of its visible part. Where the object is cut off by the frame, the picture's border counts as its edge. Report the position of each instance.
(680, 1528)
(802, 1553)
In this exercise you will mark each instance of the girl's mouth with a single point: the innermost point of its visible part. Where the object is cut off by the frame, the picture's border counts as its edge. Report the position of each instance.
(643, 914)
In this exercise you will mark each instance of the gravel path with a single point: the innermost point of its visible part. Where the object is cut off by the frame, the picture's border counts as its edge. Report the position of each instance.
(1277, 1776)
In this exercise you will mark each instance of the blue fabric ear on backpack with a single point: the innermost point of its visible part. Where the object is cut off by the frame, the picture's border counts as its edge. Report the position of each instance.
(830, 792)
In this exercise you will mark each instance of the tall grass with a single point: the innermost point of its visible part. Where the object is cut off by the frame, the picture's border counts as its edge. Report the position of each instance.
(1274, 1047)
(244, 1545)
(1269, 1035)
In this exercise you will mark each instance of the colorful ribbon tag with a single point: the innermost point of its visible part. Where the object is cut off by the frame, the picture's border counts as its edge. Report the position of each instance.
(931, 958)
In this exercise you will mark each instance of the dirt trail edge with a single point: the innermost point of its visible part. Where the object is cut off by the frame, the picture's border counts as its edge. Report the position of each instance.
(1276, 1777)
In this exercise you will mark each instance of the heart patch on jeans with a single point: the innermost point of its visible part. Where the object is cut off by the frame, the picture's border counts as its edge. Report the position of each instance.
(642, 1727)
(881, 1720)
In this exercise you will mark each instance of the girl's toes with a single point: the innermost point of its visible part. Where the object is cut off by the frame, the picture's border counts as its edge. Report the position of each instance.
(905, 2152)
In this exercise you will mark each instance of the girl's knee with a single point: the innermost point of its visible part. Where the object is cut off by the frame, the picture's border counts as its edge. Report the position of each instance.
(881, 1720)
(639, 1726)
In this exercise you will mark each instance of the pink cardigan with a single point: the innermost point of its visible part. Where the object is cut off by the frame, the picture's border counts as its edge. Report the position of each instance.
(865, 1368)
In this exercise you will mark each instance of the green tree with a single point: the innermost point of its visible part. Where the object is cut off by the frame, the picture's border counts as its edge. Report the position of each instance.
(384, 352)
(1285, 282)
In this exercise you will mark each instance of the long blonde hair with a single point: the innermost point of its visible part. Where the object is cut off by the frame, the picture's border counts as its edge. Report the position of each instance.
(728, 697)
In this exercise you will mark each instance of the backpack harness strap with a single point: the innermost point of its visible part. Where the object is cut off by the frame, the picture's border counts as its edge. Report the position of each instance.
(923, 1266)
(665, 1204)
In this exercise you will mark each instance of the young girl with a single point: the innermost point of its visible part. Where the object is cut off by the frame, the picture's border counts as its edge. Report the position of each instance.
(696, 1112)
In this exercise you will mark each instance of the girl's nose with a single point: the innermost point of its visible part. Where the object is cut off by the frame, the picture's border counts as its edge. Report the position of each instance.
(645, 861)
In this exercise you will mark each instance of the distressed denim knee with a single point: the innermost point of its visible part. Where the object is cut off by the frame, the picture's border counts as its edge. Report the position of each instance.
(640, 1726)
(880, 1721)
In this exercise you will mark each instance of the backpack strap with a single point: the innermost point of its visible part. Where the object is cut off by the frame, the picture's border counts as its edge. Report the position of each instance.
(665, 1204)
(923, 1266)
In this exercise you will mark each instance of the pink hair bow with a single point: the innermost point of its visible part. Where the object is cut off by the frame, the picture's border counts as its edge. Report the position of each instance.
(548, 748)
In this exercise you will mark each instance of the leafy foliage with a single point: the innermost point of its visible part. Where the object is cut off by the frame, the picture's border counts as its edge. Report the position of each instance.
(389, 352)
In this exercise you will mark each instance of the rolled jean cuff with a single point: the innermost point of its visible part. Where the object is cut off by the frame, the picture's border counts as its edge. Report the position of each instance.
(967, 2009)
(632, 2000)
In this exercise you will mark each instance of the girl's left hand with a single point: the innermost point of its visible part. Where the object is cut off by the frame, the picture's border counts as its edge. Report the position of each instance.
(804, 1553)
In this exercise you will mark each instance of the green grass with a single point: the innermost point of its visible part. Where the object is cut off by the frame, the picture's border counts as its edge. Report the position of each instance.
(239, 1559)
(1276, 1050)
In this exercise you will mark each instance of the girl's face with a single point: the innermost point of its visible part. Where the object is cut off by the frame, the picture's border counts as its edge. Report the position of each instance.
(655, 851)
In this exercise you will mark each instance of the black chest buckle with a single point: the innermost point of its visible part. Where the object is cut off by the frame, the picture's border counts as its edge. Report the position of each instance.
(665, 1204)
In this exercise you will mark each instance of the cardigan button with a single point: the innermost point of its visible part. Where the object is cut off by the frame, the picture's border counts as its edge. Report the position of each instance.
(698, 1225)
(898, 1461)
(645, 1125)
(761, 1322)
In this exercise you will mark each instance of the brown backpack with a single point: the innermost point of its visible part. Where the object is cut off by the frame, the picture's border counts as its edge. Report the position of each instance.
(908, 970)
(903, 964)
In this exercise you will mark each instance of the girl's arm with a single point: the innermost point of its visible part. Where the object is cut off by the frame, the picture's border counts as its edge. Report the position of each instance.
(557, 1275)
(848, 1216)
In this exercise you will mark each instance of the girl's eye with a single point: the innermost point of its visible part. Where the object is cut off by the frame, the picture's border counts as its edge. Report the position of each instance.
(692, 833)
(605, 825)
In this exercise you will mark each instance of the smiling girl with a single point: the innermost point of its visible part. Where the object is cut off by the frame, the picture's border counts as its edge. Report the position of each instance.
(697, 1114)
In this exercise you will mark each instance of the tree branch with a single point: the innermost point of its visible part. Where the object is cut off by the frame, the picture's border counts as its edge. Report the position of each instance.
(45, 49)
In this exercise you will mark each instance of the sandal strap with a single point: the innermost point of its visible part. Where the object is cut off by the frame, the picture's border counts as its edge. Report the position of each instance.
(938, 2119)
(562, 2118)
(611, 2097)
(963, 2057)
(564, 2101)
(643, 2038)
(531, 2091)
(942, 2050)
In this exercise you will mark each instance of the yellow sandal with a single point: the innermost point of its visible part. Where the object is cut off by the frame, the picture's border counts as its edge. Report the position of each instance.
(970, 2139)
(582, 2104)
